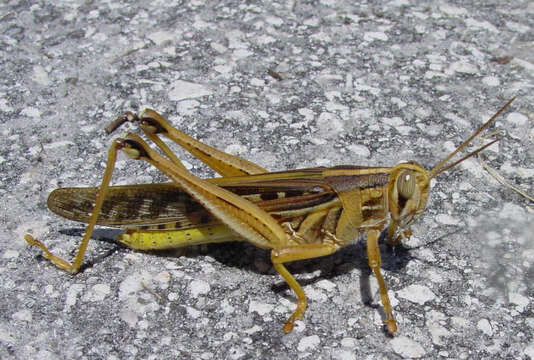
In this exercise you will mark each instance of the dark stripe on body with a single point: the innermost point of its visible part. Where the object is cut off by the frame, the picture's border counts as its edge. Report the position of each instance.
(351, 182)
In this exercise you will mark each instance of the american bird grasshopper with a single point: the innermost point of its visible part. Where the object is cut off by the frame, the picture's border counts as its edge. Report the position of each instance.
(296, 214)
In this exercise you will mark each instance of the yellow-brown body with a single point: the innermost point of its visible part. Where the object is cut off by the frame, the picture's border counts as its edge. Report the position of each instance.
(296, 214)
(339, 203)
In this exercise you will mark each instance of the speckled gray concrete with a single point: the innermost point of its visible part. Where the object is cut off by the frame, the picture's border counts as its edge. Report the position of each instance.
(362, 84)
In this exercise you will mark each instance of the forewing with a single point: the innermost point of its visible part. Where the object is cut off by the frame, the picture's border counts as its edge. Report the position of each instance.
(146, 204)
(162, 203)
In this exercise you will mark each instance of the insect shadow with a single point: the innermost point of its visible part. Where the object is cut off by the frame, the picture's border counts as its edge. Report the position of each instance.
(104, 236)
(344, 261)
(245, 256)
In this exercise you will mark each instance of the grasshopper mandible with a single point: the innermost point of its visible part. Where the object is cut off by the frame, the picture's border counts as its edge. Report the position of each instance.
(297, 214)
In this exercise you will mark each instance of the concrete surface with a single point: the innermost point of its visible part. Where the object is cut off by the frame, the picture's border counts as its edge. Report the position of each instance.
(369, 83)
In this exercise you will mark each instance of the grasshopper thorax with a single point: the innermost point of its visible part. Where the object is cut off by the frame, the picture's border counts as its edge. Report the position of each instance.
(408, 192)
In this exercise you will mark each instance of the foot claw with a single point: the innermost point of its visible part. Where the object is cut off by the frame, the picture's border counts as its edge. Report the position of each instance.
(59, 262)
(290, 323)
(288, 327)
(391, 326)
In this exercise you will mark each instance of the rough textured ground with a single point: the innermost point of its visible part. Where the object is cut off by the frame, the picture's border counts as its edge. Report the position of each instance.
(366, 83)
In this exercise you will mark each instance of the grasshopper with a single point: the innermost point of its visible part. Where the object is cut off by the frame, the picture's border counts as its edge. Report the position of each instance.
(296, 214)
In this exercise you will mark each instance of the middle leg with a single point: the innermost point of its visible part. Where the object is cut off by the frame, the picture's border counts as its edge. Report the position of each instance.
(281, 255)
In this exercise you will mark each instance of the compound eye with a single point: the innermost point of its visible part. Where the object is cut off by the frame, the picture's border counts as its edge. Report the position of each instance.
(406, 184)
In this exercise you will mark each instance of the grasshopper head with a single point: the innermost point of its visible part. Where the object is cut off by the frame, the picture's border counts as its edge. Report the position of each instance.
(408, 192)
(409, 182)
